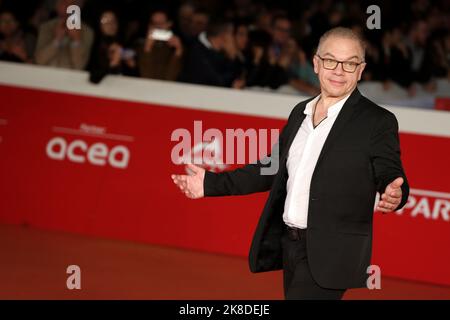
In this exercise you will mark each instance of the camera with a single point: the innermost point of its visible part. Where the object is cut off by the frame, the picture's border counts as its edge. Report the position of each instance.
(161, 34)
(127, 54)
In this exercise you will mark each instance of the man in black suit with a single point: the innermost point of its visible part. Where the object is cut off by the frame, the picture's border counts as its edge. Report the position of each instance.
(336, 152)
(212, 58)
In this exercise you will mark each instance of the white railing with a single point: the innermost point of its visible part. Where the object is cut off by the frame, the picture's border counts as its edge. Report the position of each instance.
(266, 104)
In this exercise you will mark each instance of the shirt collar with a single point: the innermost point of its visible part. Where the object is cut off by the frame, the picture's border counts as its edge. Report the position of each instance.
(332, 110)
(204, 40)
(310, 105)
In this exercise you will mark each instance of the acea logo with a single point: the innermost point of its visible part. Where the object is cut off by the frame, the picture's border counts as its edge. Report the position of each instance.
(68, 145)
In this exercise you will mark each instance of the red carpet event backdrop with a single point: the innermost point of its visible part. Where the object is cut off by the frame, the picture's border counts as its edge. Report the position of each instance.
(98, 163)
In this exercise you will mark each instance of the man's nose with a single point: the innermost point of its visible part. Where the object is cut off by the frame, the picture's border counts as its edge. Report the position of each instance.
(339, 70)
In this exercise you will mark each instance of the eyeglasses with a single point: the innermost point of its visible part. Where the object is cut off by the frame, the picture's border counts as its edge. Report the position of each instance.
(331, 64)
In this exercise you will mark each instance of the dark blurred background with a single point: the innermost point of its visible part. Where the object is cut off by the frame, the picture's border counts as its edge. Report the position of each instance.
(238, 44)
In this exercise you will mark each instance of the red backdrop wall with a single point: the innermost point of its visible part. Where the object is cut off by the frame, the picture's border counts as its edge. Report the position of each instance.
(90, 193)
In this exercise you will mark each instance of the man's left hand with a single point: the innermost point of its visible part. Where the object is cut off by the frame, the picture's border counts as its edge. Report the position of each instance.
(391, 197)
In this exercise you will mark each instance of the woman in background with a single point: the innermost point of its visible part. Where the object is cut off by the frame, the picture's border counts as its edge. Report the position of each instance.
(15, 44)
(109, 55)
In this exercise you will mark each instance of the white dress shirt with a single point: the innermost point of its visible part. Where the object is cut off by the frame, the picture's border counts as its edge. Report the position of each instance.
(301, 161)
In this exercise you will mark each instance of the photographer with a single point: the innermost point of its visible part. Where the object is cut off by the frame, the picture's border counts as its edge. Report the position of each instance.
(213, 58)
(58, 46)
(160, 54)
(15, 44)
(109, 55)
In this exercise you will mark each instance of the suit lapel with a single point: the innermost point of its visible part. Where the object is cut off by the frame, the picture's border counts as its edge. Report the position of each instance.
(298, 120)
(339, 124)
(343, 117)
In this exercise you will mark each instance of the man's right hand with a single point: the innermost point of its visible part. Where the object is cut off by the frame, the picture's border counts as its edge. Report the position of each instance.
(191, 185)
(175, 43)
(149, 42)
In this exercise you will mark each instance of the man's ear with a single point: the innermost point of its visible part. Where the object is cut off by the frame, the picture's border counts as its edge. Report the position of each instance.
(361, 69)
(316, 64)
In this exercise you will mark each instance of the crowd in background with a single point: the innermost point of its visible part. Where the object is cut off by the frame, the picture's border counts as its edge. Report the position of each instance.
(238, 44)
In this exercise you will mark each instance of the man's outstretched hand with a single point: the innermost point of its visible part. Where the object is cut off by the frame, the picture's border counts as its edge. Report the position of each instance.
(191, 185)
(391, 197)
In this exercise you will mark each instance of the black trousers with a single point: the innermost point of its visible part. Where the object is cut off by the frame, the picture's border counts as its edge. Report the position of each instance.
(297, 278)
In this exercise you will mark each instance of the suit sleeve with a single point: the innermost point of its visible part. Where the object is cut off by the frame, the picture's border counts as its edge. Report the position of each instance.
(385, 156)
(247, 179)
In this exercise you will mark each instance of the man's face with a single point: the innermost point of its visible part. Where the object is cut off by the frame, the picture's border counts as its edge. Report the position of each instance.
(421, 33)
(159, 20)
(185, 14)
(8, 24)
(281, 31)
(338, 83)
(199, 23)
(225, 37)
(241, 37)
(108, 23)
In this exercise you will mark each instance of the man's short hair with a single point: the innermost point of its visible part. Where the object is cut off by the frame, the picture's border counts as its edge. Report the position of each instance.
(218, 26)
(160, 10)
(346, 33)
(279, 16)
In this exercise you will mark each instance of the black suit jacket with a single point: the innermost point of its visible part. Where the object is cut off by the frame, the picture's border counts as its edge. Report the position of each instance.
(207, 66)
(361, 156)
